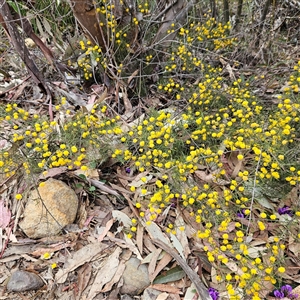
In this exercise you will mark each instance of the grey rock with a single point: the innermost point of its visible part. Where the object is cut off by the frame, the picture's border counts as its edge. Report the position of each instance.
(126, 297)
(49, 208)
(21, 281)
(150, 294)
(135, 277)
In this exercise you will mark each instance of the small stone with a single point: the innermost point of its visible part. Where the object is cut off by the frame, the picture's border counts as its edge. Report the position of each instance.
(126, 297)
(135, 277)
(21, 281)
(150, 294)
(46, 217)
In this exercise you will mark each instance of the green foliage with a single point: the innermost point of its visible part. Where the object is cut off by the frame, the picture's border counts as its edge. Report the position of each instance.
(171, 275)
(74, 142)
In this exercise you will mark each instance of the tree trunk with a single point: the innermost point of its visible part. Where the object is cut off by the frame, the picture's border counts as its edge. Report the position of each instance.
(239, 12)
(213, 8)
(226, 10)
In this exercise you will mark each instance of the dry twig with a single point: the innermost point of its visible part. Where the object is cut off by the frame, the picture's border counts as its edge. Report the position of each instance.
(201, 289)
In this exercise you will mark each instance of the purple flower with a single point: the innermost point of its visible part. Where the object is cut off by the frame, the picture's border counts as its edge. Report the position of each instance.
(285, 210)
(285, 291)
(213, 293)
(174, 202)
(240, 215)
(278, 294)
(127, 170)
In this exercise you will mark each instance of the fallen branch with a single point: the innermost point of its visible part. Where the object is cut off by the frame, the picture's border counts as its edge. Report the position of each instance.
(201, 288)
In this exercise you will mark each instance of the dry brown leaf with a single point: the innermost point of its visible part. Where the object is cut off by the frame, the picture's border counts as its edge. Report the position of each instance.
(237, 168)
(257, 241)
(127, 126)
(120, 189)
(147, 259)
(213, 275)
(133, 75)
(156, 233)
(174, 297)
(5, 215)
(137, 182)
(255, 251)
(105, 273)
(296, 290)
(191, 225)
(152, 264)
(165, 260)
(268, 287)
(166, 288)
(19, 90)
(98, 96)
(58, 239)
(120, 270)
(292, 265)
(82, 216)
(177, 245)
(2, 246)
(234, 268)
(60, 84)
(122, 218)
(132, 207)
(229, 69)
(139, 237)
(20, 247)
(181, 235)
(91, 174)
(105, 230)
(292, 278)
(98, 89)
(202, 175)
(296, 278)
(10, 258)
(56, 247)
(127, 103)
(128, 243)
(53, 172)
(291, 198)
(30, 258)
(124, 183)
(211, 177)
(103, 187)
(84, 276)
(85, 254)
(148, 244)
(162, 296)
